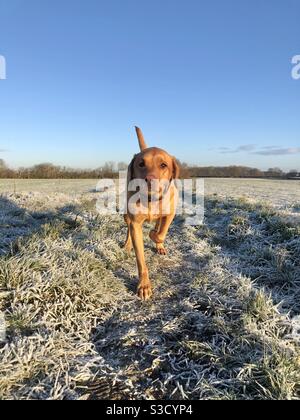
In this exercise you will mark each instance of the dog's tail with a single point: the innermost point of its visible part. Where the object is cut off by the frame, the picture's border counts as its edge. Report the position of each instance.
(141, 138)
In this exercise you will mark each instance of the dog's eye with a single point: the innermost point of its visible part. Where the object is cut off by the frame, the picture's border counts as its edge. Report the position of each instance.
(142, 164)
(163, 165)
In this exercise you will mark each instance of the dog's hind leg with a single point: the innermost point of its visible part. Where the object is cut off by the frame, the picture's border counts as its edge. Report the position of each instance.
(128, 244)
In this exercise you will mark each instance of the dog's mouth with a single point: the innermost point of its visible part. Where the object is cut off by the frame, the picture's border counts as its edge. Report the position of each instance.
(154, 192)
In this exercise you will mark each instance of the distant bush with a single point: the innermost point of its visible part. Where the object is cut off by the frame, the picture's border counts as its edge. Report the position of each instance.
(50, 171)
(111, 169)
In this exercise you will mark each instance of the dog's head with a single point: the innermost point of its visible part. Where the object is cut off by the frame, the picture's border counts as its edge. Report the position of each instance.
(153, 164)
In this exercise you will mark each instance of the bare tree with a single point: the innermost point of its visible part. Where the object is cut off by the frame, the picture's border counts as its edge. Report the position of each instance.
(2, 164)
(122, 166)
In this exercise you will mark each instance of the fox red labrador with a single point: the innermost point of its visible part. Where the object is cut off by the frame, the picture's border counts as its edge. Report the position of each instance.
(156, 170)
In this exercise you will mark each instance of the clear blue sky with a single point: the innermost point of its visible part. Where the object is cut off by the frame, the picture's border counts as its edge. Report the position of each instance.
(208, 80)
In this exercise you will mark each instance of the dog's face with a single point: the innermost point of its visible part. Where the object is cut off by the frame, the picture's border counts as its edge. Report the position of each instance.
(152, 165)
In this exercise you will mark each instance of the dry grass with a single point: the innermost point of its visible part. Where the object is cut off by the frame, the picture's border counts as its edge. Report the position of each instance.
(224, 323)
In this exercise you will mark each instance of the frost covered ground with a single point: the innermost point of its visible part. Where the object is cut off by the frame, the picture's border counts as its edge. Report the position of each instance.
(224, 322)
(279, 193)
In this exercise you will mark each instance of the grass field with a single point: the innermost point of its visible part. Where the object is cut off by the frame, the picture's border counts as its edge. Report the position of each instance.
(224, 322)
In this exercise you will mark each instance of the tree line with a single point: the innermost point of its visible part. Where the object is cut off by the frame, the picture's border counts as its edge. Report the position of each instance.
(240, 172)
(50, 171)
(111, 170)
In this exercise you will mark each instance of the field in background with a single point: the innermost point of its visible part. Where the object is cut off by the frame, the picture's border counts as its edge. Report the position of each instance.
(224, 322)
(276, 192)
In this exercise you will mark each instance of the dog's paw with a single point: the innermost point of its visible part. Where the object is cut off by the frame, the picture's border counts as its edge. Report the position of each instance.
(155, 237)
(128, 247)
(161, 250)
(144, 291)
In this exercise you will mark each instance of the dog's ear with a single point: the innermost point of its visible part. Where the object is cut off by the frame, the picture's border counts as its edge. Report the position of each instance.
(176, 169)
(131, 175)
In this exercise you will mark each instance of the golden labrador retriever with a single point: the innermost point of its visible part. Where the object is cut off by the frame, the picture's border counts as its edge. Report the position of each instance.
(157, 170)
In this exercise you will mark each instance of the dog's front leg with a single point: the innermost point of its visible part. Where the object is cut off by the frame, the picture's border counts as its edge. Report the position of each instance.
(144, 286)
(159, 234)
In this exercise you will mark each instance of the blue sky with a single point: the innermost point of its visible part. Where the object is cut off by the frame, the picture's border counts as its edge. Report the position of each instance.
(208, 80)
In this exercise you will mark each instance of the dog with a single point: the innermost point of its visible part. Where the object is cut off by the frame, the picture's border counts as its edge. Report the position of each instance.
(157, 171)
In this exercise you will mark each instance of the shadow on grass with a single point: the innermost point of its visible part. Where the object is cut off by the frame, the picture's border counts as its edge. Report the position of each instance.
(19, 223)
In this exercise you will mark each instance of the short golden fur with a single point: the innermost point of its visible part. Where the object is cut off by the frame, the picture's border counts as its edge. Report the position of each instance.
(151, 164)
